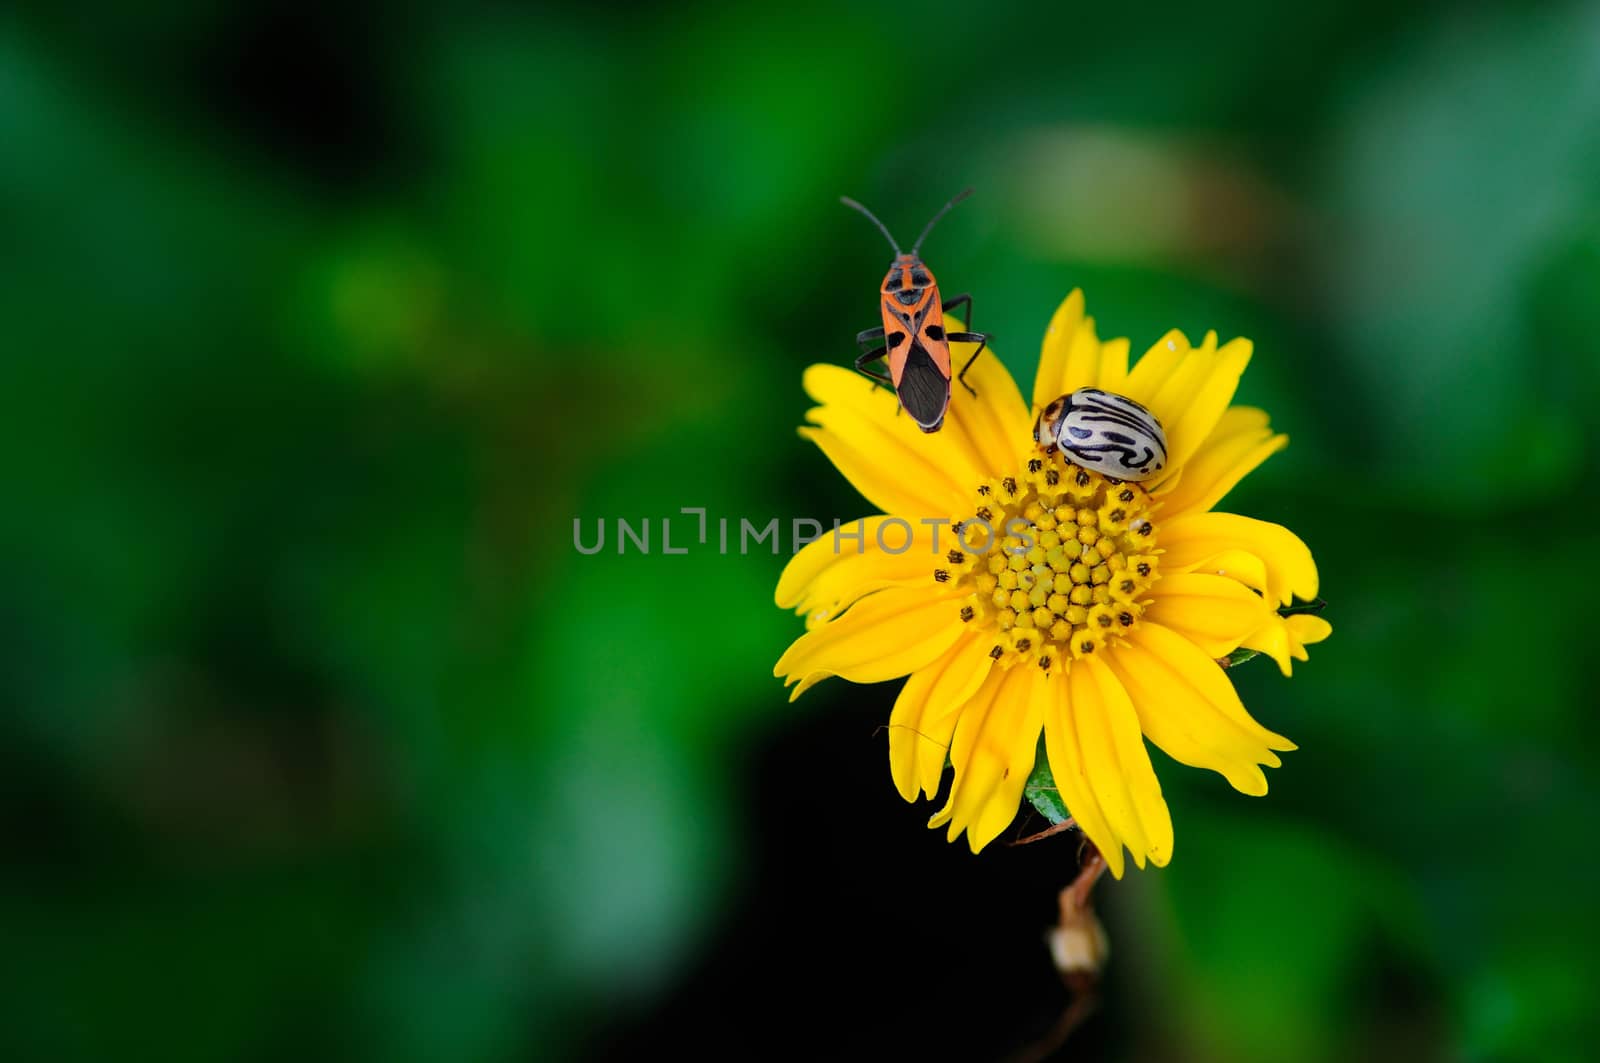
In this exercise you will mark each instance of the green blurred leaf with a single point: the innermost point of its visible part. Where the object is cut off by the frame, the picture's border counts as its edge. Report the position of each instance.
(1270, 919)
(1458, 171)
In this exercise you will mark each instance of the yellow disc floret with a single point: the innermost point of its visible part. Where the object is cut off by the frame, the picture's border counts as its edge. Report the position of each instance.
(1056, 562)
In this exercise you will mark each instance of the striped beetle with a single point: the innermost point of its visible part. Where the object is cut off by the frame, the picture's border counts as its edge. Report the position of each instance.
(1108, 433)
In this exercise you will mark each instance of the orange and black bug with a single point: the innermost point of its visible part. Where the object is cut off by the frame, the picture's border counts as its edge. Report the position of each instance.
(912, 336)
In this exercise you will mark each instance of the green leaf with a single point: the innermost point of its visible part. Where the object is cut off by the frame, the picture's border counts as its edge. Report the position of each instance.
(1041, 792)
(1239, 657)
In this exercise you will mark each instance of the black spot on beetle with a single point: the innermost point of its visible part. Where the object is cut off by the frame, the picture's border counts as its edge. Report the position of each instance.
(896, 339)
(934, 332)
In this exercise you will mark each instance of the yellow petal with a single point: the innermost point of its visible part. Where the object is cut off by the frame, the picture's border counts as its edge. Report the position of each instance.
(1187, 706)
(1187, 389)
(1017, 739)
(925, 715)
(1308, 629)
(992, 755)
(968, 726)
(1067, 766)
(1214, 612)
(1059, 338)
(1240, 442)
(1194, 541)
(1116, 763)
(885, 635)
(1241, 566)
(1155, 368)
(811, 679)
(896, 466)
(994, 427)
(1073, 357)
(1286, 638)
(1112, 372)
(831, 572)
(1272, 639)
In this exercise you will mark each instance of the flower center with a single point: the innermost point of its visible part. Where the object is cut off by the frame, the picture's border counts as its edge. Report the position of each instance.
(1055, 561)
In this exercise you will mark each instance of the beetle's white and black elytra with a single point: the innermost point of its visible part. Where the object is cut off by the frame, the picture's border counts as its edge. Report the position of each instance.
(1107, 433)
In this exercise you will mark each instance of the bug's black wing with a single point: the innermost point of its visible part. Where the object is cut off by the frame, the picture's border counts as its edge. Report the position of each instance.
(924, 391)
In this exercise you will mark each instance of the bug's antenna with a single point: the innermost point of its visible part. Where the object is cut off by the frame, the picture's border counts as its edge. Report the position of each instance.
(942, 212)
(853, 205)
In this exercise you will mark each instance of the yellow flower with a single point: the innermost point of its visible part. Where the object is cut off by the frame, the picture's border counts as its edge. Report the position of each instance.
(1096, 611)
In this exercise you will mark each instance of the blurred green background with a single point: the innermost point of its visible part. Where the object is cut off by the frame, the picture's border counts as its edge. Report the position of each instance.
(320, 329)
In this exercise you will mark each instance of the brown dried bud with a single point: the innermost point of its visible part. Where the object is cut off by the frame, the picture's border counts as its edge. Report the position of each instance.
(1079, 944)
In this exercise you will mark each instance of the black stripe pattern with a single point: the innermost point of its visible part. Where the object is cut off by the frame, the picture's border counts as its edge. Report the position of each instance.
(1108, 433)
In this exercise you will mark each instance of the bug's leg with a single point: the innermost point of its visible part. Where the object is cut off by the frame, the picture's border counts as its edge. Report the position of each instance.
(877, 378)
(982, 340)
(867, 359)
(965, 298)
(867, 337)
